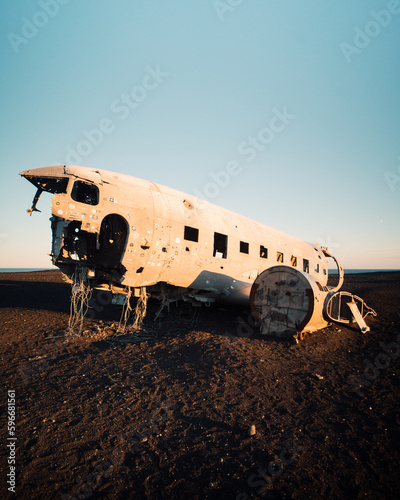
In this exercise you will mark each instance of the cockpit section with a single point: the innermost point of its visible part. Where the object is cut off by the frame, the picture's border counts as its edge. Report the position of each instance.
(52, 185)
(82, 234)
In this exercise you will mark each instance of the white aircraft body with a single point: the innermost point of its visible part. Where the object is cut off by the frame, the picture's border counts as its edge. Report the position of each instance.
(123, 234)
(129, 232)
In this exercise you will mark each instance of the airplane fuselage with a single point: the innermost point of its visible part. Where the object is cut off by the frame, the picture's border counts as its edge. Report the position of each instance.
(129, 232)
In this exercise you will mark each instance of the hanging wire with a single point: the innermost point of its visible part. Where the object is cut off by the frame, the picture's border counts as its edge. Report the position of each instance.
(139, 313)
(141, 308)
(81, 294)
(126, 312)
(165, 302)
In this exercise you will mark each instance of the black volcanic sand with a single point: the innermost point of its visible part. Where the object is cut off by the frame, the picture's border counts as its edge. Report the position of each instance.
(165, 412)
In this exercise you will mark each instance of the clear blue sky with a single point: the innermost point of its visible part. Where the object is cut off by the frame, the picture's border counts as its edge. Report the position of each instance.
(304, 97)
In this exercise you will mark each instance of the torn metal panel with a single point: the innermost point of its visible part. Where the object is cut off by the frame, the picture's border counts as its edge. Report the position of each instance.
(344, 307)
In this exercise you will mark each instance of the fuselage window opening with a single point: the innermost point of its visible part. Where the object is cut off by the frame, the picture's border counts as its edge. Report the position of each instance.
(324, 272)
(191, 234)
(279, 257)
(244, 247)
(85, 192)
(293, 261)
(263, 252)
(306, 266)
(220, 245)
(316, 268)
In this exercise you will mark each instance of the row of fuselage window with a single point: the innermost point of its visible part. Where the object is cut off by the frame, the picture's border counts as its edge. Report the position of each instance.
(220, 249)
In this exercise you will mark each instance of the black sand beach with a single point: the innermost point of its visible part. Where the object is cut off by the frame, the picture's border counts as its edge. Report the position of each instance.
(166, 412)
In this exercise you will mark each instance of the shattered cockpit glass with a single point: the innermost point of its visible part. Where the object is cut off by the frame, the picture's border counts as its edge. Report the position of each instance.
(50, 185)
(54, 185)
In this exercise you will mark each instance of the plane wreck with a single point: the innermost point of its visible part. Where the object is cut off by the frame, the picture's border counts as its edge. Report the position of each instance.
(130, 236)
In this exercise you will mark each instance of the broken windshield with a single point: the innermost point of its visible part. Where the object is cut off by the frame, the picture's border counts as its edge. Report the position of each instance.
(50, 184)
(53, 185)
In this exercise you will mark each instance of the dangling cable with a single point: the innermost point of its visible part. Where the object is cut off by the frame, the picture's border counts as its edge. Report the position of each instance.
(165, 301)
(81, 294)
(126, 311)
(141, 308)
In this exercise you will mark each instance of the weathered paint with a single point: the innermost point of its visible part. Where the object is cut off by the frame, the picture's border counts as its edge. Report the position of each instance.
(155, 250)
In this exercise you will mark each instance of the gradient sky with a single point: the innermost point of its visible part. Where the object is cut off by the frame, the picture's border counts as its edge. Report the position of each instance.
(303, 95)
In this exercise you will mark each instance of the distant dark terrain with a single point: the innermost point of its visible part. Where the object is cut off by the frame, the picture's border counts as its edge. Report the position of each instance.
(165, 412)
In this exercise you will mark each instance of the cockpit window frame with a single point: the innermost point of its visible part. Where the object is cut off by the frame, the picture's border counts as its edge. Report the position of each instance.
(84, 197)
